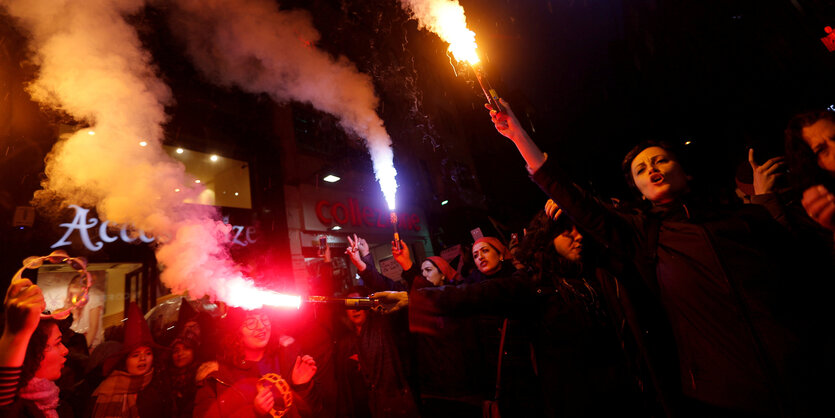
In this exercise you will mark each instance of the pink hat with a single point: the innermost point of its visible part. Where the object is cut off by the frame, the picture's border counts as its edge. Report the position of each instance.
(496, 244)
(447, 270)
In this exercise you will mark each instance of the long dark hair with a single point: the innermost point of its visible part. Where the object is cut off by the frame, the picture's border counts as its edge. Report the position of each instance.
(35, 350)
(547, 267)
(803, 164)
(232, 349)
(537, 249)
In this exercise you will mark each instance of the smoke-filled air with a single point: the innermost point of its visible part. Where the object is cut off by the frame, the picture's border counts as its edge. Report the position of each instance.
(91, 65)
(256, 46)
(446, 19)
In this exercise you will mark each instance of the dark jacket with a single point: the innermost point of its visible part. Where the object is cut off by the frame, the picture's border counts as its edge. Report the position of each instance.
(721, 275)
(449, 362)
(577, 356)
(373, 355)
(230, 390)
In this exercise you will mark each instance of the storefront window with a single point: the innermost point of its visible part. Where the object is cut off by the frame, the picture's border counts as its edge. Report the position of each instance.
(226, 179)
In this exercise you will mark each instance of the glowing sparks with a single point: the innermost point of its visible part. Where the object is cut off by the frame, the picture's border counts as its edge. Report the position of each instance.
(446, 18)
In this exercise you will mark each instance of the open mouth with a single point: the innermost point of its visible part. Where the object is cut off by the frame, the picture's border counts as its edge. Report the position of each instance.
(656, 178)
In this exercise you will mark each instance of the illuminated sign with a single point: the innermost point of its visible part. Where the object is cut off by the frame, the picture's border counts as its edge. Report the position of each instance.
(240, 235)
(351, 213)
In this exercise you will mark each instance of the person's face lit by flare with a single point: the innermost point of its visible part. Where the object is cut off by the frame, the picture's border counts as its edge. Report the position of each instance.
(139, 361)
(487, 259)
(569, 244)
(431, 273)
(54, 356)
(256, 331)
(356, 316)
(658, 176)
(820, 136)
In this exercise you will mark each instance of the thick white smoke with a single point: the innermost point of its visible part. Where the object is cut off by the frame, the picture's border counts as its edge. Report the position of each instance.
(92, 66)
(254, 45)
(446, 19)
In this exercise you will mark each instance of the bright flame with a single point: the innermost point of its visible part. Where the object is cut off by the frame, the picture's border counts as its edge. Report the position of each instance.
(243, 294)
(446, 18)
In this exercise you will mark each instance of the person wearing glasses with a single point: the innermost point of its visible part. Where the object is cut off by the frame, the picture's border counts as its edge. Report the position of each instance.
(250, 350)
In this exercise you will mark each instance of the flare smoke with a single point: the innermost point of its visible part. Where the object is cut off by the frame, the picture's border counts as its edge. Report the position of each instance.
(92, 66)
(261, 49)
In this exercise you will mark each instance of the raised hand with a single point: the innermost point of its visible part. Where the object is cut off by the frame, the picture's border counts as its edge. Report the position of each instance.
(24, 303)
(353, 252)
(303, 370)
(766, 175)
(362, 245)
(506, 122)
(552, 210)
(402, 255)
(391, 301)
(820, 206)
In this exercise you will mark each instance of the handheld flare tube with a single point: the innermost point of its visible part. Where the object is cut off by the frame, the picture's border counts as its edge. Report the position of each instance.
(347, 303)
(489, 92)
(396, 234)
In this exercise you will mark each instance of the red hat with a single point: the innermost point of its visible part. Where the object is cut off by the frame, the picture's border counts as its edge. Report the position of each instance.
(447, 270)
(496, 244)
(137, 334)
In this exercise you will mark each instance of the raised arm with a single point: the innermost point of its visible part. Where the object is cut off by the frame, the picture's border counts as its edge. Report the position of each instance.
(610, 228)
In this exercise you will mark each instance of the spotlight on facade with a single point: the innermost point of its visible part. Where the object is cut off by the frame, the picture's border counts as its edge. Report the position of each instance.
(443, 203)
(330, 178)
(180, 150)
(336, 228)
(213, 158)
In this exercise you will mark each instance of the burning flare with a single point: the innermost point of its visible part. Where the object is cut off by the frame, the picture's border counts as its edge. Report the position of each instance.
(446, 18)
(260, 48)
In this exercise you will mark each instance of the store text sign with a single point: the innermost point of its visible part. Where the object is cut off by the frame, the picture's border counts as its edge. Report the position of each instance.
(350, 212)
(240, 235)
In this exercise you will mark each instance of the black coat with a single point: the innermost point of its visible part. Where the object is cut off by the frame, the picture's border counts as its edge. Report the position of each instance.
(723, 276)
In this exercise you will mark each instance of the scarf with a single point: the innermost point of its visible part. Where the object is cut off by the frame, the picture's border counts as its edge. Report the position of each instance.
(44, 394)
(116, 396)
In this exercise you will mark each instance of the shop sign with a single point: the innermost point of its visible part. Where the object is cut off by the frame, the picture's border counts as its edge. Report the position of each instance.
(240, 235)
(351, 213)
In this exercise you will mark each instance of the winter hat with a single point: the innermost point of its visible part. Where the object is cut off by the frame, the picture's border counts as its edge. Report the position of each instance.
(449, 273)
(496, 244)
(137, 332)
(185, 314)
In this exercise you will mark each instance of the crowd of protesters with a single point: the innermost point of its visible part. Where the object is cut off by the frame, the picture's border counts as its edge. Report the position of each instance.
(681, 305)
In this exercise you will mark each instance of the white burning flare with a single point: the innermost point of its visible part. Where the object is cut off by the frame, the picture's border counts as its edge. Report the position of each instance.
(92, 66)
(261, 49)
(446, 19)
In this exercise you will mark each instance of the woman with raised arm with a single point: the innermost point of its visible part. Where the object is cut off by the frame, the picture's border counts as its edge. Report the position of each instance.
(31, 356)
(720, 273)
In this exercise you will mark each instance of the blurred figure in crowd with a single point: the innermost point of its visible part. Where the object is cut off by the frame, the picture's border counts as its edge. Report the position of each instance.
(577, 355)
(448, 358)
(372, 380)
(88, 316)
(134, 386)
(810, 147)
(251, 350)
(181, 373)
